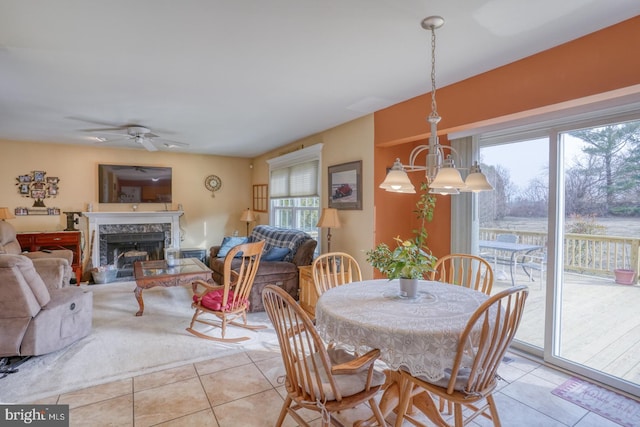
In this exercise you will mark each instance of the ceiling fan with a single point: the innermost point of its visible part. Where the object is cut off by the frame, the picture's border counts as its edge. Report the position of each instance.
(140, 135)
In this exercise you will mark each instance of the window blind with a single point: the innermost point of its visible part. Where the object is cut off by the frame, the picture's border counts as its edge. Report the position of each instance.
(300, 180)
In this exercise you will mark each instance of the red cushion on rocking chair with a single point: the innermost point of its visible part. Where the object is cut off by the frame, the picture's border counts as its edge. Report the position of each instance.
(213, 300)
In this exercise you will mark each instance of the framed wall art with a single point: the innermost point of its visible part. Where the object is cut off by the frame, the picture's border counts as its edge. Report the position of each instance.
(345, 186)
(38, 186)
(38, 194)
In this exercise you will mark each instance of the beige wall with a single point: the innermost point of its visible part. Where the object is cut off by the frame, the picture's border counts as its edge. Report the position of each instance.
(345, 143)
(205, 221)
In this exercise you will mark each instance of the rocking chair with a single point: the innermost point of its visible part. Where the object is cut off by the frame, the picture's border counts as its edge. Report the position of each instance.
(229, 301)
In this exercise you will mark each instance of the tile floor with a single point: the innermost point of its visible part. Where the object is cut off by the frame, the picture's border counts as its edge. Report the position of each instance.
(244, 390)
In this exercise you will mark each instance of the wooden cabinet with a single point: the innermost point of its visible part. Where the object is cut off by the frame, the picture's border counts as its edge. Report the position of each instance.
(38, 241)
(308, 296)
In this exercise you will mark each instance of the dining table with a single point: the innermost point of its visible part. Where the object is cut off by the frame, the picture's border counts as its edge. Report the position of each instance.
(418, 335)
(512, 249)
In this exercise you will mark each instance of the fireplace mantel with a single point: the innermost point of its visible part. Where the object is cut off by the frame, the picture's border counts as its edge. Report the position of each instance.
(96, 219)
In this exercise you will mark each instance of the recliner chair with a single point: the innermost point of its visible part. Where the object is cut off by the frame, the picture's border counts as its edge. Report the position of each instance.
(36, 316)
(48, 264)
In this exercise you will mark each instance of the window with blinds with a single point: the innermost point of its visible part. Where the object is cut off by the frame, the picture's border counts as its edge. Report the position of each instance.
(300, 180)
(294, 194)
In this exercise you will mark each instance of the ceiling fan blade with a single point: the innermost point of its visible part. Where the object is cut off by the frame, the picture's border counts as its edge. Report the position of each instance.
(119, 135)
(103, 129)
(93, 121)
(170, 143)
(107, 141)
(146, 143)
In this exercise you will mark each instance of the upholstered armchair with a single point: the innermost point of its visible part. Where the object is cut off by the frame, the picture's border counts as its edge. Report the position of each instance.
(53, 265)
(38, 316)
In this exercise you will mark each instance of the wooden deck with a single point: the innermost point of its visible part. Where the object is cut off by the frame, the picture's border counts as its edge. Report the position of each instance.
(600, 324)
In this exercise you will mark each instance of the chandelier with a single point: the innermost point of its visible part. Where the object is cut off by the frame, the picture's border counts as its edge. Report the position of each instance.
(442, 175)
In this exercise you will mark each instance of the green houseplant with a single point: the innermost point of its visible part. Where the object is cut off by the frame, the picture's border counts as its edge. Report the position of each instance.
(411, 259)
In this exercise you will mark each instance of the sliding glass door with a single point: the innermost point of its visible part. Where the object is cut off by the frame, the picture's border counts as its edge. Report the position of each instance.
(516, 213)
(598, 326)
(569, 196)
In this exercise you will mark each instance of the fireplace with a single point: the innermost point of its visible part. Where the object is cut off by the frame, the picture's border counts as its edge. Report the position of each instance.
(123, 249)
(121, 238)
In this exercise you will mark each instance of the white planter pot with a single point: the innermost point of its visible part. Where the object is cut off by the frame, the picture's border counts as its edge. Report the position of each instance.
(408, 288)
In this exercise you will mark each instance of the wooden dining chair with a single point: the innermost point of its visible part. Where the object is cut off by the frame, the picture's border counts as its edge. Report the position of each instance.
(334, 269)
(473, 377)
(321, 379)
(220, 305)
(465, 270)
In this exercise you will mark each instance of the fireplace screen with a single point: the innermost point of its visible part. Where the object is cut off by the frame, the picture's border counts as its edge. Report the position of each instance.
(124, 249)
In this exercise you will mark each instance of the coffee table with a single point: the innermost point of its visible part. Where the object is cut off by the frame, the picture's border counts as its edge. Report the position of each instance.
(149, 274)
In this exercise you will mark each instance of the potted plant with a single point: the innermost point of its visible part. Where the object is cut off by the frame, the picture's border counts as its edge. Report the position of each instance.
(626, 275)
(411, 259)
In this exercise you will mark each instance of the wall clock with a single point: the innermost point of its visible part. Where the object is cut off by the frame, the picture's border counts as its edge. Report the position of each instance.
(213, 183)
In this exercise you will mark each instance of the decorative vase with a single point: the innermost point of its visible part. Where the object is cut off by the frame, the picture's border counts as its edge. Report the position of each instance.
(171, 256)
(408, 288)
(625, 276)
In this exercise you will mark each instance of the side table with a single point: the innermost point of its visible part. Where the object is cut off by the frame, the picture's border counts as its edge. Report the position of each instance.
(200, 254)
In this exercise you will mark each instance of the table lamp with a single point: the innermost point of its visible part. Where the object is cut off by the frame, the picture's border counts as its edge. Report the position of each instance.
(5, 213)
(248, 216)
(329, 219)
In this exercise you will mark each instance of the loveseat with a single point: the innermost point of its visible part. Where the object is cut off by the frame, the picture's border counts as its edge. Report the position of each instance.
(285, 250)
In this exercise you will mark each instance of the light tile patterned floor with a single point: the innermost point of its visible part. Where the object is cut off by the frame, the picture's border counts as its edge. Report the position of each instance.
(244, 390)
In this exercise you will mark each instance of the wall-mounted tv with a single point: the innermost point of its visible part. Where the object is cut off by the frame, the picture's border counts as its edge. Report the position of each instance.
(134, 184)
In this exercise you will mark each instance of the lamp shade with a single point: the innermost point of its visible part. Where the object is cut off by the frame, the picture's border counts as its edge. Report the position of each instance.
(248, 216)
(447, 177)
(397, 180)
(476, 181)
(329, 218)
(5, 213)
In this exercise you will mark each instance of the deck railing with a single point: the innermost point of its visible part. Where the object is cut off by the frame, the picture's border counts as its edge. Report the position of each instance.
(584, 253)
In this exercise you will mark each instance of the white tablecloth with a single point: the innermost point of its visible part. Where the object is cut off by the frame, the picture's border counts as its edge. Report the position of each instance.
(419, 335)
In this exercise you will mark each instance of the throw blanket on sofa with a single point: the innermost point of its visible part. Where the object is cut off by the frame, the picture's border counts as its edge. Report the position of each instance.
(279, 237)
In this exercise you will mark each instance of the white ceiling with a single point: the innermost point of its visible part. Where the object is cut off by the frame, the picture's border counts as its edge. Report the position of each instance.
(242, 77)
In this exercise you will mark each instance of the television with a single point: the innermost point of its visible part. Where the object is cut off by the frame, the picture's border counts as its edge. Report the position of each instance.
(134, 184)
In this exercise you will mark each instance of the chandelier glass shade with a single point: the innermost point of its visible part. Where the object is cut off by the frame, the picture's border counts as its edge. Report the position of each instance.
(442, 175)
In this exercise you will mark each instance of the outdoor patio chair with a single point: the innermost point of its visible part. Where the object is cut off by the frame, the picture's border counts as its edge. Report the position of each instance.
(498, 257)
(534, 262)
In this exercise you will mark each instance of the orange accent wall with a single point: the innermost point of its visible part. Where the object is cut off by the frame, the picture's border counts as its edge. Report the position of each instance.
(596, 63)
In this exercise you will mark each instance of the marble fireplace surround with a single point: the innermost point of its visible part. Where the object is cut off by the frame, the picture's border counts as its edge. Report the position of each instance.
(101, 223)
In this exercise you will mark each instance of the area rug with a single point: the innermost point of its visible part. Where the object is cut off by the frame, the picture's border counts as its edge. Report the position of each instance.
(122, 345)
(609, 404)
